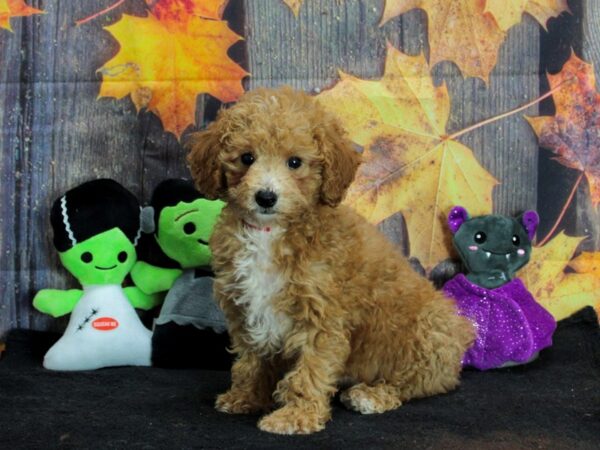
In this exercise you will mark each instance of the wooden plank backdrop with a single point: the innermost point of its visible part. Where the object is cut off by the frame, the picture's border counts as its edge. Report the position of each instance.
(57, 134)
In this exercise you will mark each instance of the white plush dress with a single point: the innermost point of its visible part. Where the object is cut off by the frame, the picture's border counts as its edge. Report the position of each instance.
(104, 330)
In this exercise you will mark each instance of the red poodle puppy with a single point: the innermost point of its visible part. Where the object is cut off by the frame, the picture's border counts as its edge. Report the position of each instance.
(314, 295)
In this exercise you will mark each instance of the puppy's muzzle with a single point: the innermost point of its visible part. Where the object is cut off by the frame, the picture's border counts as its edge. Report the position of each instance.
(265, 199)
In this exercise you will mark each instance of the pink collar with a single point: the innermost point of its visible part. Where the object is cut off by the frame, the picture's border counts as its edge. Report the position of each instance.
(254, 227)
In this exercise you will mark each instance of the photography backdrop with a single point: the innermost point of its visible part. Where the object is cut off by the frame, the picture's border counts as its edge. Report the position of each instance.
(106, 88)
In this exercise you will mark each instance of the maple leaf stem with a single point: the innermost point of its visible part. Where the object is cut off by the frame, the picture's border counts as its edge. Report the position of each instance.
(509, 113)
(562, 213)
(99, 13)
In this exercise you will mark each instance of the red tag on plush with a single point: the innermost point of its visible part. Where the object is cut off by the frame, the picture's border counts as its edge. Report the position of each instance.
(105, 324)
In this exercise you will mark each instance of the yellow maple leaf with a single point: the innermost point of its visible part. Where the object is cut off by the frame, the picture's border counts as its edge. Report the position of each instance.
(294, 5)
(547, 264)
(4, 15)
(508, 12)
(562, 293)
(470, 32)
(586, 289)
(574, 292)
(587, 262)
(14, 8)
(409, 165)
(164, 63)
(459, 31)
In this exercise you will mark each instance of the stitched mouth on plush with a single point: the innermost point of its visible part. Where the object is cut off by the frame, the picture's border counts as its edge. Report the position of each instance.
(105, 268)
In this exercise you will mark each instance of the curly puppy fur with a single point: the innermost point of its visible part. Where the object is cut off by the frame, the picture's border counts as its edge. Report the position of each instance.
(314, 295)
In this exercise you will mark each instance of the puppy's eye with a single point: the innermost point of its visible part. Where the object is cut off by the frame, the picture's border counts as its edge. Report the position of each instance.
(516, 240)
(247, 159)
(294, 162)
(480, 237)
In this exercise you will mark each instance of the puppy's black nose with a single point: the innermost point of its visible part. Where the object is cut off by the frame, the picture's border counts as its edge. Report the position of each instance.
(266, 199)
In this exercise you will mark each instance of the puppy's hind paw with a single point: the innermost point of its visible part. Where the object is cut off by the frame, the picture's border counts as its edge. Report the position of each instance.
(237, 403)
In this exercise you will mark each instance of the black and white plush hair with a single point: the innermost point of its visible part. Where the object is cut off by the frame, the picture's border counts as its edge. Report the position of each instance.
(92, 208)
(170, 192)
(167, 193)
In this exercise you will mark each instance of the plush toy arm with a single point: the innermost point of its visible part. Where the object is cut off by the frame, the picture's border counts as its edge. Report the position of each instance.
(152, 279)
(56, 302)
(445, 271)
(141, 300)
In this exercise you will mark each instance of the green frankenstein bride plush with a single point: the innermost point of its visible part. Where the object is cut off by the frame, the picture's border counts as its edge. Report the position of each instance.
(190, 330)
(96, 228)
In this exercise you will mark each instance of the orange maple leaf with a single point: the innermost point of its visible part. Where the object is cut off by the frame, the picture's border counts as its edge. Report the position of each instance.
(466, 32)
(14, 8)
(559, 291)
(169, 57)
(409, 165)
(587, 262)
(573, 133)
(177, 10)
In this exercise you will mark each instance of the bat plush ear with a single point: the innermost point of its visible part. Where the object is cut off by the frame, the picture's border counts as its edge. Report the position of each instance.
(530, 221)
(458, 215)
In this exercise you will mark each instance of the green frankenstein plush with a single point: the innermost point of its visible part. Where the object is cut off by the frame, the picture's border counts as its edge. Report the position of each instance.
(190, 330)
(96, 227)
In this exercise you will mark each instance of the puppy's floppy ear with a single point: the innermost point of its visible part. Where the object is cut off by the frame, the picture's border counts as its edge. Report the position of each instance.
(204, 148)
(340, 161)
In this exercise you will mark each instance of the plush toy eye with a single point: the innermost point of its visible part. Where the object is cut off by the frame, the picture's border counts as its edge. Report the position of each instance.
(294, 162)
(480, 237)
(189, 228)
(516, 240)
(122, 257)
(87, 257)
(247, 159)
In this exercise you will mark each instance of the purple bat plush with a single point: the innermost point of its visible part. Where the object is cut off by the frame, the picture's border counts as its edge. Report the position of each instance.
(511, 326)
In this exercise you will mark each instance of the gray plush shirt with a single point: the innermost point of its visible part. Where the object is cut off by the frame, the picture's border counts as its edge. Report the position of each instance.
(190, 302)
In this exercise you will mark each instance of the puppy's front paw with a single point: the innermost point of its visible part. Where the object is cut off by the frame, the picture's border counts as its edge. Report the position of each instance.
(370, 399)
(291, 420)
(238, 402)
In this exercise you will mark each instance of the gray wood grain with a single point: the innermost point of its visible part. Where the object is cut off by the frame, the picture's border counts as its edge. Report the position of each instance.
(588, 216)
(57, 134)
(10, 154)
(307, 52)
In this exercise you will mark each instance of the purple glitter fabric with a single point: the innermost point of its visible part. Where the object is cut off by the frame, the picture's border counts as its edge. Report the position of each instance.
(511, 325)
